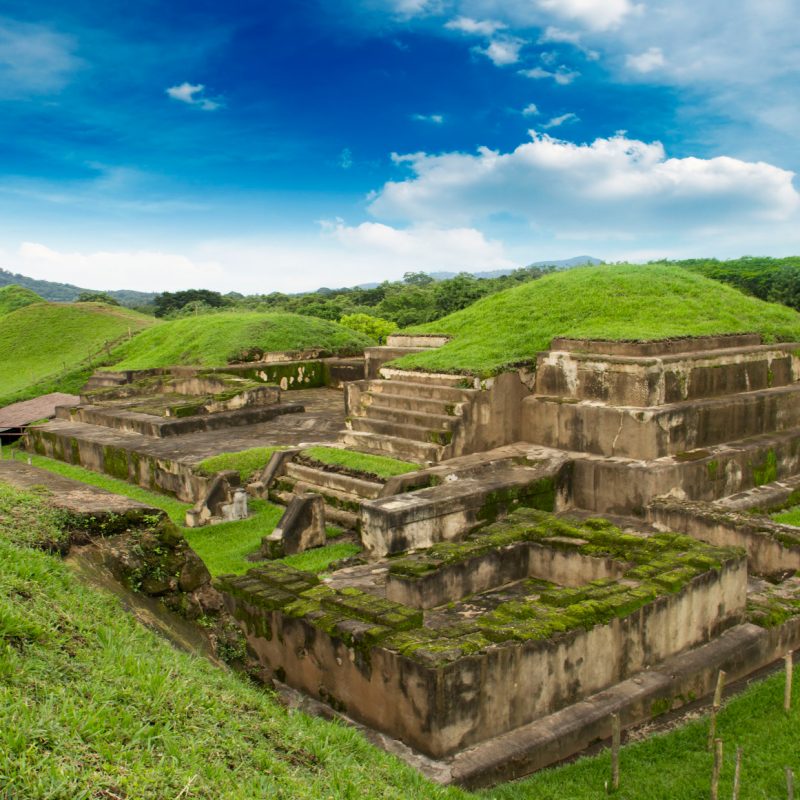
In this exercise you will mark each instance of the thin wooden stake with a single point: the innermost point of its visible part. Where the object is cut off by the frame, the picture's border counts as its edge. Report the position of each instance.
(716, 769)
(712, 728)
(787, 691)
(615, 737)
(789, 784)
(737, 774)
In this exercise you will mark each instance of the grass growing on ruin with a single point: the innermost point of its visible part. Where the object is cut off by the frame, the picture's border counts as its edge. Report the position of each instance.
(320, 558)
(789, 517)
(175, 509)
(380, 466)
(94, 705)
(622, 301)
(217, 339)
(46, 347)
(246, 462)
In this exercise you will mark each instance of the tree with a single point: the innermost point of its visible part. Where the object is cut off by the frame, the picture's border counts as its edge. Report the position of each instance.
(374, 327)
(417, 278)
(96, 297)
(168, 302)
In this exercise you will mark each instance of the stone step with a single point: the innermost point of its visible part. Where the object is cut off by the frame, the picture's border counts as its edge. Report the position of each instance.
(424, 405)
(338, 516)
(435, 378)
(357, 487)
(388, 427)
(449, 394)
(405, 449)
(408, 417)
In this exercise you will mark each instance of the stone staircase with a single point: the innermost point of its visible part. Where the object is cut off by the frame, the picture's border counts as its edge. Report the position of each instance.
(412, 416)
(343, 494)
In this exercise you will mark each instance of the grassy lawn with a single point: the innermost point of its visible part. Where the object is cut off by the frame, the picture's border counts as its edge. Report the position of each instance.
(381, 466)
(216, 339)
(247, 462)
(622, 301)
(320, 558)
(49, 346)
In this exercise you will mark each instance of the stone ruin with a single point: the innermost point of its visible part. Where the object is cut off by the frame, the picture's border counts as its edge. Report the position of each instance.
(587, 535)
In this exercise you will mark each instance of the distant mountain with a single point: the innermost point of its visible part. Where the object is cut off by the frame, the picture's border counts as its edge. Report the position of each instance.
(564, 263)
(67, 293)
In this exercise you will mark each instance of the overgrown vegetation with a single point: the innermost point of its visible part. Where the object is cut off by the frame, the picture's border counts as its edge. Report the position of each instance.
(246, 462)
(218, 339)
(379, 466)
(622, 301)
(46, 347)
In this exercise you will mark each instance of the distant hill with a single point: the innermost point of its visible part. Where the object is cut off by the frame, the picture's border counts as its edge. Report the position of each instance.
(14, 297)
(67, 293)
(564, 263)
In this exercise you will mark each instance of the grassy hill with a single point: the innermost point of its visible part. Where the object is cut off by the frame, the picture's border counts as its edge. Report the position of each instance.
(13, 297)
(217, 339)
(46, 347)
(622, 301)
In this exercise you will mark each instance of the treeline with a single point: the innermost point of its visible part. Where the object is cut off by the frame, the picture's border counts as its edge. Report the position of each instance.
(773, 279)
(416, 299)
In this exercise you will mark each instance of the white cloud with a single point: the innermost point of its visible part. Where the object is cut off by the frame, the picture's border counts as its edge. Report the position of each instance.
(486, 27)
(530, 110)
(563, 119)
(614, 188)
(503, 51)
(192, 94)
(346, 158)
(553, 34)
(562, 76)
(436, 119)
(646, 62)
(594, 14)
(34, 59)
(142, 269)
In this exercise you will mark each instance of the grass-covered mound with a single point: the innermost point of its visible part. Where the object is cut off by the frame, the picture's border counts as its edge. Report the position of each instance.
(214, 340)
(47, 347)
(622, 301)
(13, 297)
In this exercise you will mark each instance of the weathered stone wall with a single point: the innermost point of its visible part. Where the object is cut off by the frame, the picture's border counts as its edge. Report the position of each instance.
(438, 710)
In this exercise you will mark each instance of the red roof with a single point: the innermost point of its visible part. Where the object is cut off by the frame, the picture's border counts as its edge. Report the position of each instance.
(18, 415)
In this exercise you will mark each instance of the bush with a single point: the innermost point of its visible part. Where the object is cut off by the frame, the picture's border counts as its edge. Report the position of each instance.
(376, 327)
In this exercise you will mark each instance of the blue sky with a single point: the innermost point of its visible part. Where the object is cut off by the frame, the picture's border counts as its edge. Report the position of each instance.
(259, 146)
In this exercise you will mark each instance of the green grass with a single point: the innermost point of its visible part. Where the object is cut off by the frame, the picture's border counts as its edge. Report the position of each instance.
(382, 466)
(622, 301)
(320, 558)
(175, 509)
(789, 517)
(48, 347)
(217, 339)
(247, 462)
(224, 547)
(13, 297)
(94, 705)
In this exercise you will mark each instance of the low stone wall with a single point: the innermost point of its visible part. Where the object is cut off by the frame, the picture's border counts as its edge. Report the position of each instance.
(659, 347)
(772, 548)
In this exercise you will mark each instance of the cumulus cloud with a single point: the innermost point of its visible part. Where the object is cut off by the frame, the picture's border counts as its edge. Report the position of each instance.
(595, 14)
(193, 95)
(646, 62)
(503, 51)
(486, 27)
(530, 110)
(615, 187)
(34, 59)
(562, 75)
(553, 34)
(563, 119)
